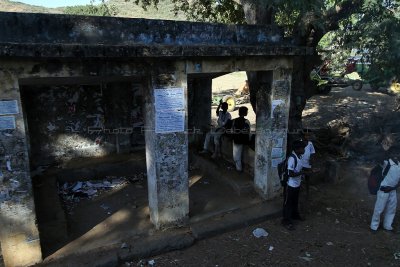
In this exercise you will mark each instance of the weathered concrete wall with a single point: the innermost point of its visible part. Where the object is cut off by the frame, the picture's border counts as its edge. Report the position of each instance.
(167, 153)
(72, 121)
(57, 28)
(228, 65)
(18, 232)
(273, 103)
(57, 36)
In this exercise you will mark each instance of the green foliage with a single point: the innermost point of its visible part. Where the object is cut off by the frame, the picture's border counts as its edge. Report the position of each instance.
(222, 11)
(164, 10)
(375, 33)
(101, 9)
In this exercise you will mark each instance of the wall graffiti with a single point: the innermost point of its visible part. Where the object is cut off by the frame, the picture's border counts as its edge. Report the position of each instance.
(79, 118)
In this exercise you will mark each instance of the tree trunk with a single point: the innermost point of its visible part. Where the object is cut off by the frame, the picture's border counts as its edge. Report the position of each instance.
(260, 12)
(256, 12)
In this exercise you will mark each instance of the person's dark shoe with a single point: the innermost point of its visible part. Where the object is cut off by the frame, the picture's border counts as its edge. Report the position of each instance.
(298, 218)
(373, 231)
(389, 230)
(288, 225)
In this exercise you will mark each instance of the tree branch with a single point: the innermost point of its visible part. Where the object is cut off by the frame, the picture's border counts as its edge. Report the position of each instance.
(341, 11)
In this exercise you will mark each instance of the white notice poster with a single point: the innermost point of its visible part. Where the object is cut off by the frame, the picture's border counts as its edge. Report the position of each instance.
(170, 121)
(170, 110)
(277, 142)
(9, 107)
(169, 99)
(277, 152)
(7, 123)
(275, 104)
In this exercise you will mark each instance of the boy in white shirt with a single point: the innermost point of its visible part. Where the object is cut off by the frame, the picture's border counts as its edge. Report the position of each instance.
(386, 197)
(292, 190)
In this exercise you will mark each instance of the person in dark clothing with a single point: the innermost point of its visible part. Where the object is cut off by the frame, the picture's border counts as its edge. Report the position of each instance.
(240, 133)
(292, 188)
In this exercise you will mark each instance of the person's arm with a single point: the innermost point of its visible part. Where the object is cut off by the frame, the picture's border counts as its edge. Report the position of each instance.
(294, 174)
(397, 186)
(228, 118)
(219, 106)
(291, 168)
(249, 128)
(312, 149)
(387, 189)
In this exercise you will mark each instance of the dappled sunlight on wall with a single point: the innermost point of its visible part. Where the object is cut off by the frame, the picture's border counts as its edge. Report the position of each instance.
(68, 146)
(67, 121)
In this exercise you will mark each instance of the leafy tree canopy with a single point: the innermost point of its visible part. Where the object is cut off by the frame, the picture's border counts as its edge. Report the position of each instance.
(92, 9)
(376, 32)
(371, 26)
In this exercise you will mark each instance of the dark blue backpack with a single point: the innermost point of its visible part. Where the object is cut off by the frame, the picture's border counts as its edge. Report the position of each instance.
(376, 177)
(283, 169)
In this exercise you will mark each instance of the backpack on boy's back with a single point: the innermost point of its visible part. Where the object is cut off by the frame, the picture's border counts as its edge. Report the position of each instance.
(376, 177)
(283, 169)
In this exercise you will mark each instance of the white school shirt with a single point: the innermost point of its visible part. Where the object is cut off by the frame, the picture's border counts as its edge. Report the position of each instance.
(223, 118)
(308, 151)
(294, 181)
(393, 176)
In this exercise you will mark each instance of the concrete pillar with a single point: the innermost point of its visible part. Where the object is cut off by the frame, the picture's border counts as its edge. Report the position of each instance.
(167, 153)
(273, 102)
(19, 234)
(199, 99)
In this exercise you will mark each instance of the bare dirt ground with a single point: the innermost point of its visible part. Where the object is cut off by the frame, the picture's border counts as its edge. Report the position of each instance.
(336, 230)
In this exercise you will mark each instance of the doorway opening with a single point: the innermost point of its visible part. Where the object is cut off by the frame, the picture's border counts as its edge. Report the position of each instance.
(215, 185)
(87, 160)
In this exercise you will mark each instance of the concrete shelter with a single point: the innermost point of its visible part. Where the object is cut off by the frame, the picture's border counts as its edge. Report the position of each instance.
(76, 86)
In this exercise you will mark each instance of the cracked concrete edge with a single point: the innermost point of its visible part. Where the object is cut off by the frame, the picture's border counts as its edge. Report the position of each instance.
(168, 240)
(104, 256)
(237, 219)
(135, 248)
(158, 244)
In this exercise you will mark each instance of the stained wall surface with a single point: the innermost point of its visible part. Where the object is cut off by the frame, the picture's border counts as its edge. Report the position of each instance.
(78, 120)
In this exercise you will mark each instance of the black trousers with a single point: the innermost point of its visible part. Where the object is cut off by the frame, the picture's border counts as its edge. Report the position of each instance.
(290, 203)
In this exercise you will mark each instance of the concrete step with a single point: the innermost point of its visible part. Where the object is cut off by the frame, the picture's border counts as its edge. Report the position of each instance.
(158, 242)
(242, 183)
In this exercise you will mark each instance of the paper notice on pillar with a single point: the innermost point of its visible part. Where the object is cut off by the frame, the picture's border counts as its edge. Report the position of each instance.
(276, 104)
(9, 107)
(277, 152)
(7, 123)
(169, 99)
(170, 121)
(275, 162)
(277, 142)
